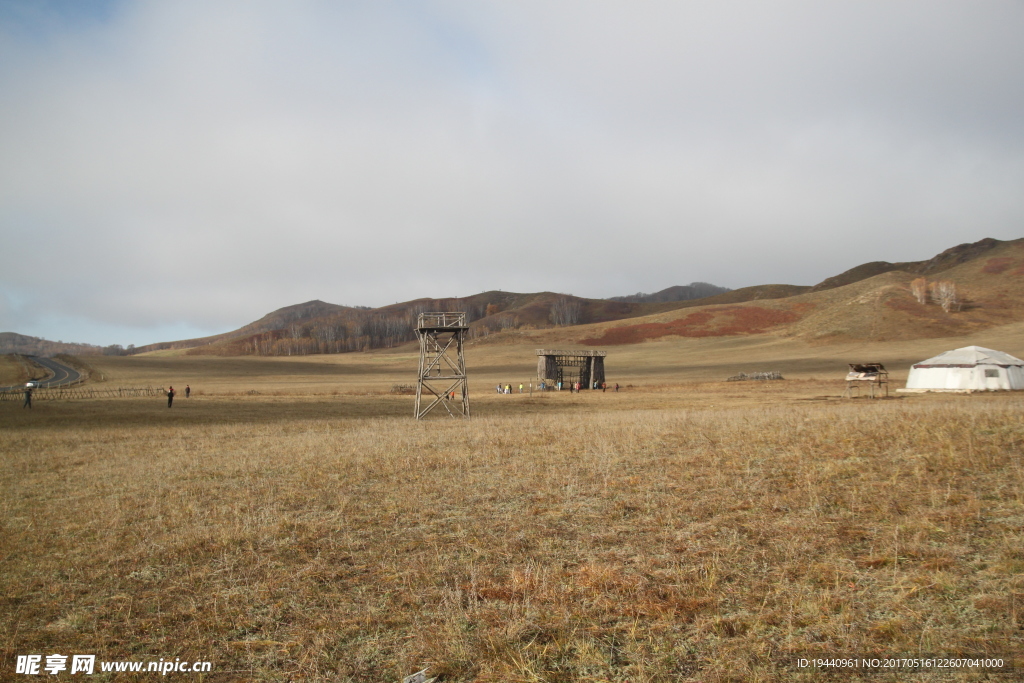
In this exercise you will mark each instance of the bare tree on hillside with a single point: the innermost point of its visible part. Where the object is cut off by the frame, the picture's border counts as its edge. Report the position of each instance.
(565, 311)
(508, 322)
(919, 288)
(944, 294)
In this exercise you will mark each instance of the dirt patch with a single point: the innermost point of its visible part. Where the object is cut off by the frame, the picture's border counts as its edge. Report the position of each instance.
(995, 266)
(915, 309)
(721, 322)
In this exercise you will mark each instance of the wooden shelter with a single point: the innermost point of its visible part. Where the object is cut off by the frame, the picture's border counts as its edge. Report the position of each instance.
(442, 363)
(872, 376)
(585, 367)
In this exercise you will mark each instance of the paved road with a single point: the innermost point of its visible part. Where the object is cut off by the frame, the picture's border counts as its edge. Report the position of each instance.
(62, 374)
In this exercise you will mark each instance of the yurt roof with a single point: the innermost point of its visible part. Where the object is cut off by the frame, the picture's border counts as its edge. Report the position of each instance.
(969, 356)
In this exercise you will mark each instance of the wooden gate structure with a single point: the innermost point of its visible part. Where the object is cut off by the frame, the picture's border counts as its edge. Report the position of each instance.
(442, 364)
(558, 365)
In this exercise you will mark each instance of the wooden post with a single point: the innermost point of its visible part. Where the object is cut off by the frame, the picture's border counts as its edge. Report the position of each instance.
(599, 370)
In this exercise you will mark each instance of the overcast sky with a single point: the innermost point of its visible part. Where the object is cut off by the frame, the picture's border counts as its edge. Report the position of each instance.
(176, 168)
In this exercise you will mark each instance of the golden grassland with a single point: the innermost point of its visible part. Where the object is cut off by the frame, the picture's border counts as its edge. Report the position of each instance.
(598, 537)
(684, 529)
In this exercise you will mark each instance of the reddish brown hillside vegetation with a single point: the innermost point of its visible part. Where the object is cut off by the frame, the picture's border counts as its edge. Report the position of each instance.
(996, 266)
(719, 322)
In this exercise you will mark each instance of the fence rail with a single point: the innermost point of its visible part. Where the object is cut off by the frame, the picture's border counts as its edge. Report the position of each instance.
(72, 392)
(440, 320)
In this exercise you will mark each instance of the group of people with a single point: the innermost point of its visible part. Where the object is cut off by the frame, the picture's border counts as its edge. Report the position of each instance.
(575, 387)
(170, 394)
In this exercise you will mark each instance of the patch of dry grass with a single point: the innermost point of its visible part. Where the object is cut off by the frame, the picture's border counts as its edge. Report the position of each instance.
(13, 370)
(574, 540)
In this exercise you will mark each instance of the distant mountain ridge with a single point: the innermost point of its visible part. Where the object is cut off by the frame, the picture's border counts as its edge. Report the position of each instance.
(12, 342)
(694, 290)
(319, 327)
(350, 329)
(951, 257)
(876, 301)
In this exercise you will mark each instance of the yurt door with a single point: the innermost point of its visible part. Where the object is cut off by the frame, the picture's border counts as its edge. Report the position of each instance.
(993, 380)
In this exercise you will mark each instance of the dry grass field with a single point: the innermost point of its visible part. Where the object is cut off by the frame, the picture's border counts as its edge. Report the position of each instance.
(685, 529)
(12, 370)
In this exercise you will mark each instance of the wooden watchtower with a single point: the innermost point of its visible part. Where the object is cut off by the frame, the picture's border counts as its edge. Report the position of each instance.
(442, 364)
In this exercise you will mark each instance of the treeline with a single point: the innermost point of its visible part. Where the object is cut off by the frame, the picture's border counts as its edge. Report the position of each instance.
(362, 330)
(332, 336)
(12, 342)
(118, 350)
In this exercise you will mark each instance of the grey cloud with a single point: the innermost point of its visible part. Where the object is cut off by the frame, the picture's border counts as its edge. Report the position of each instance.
(198, 164)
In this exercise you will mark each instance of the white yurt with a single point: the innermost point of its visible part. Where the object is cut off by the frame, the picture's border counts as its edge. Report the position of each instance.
(972, 368)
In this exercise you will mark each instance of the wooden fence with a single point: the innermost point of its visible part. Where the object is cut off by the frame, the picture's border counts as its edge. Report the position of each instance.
(73, 392)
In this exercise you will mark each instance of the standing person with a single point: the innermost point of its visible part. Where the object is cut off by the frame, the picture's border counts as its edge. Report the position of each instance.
(604, 387)
(616, 387)
(188, 390)
(499, 388)
(170, 396)
(28, 397)
(520, 387)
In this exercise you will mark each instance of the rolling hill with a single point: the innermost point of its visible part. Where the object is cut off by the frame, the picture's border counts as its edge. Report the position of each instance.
(870, 301)
(694, 290)
(951, 257)
(12, 342)
(988, 276)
